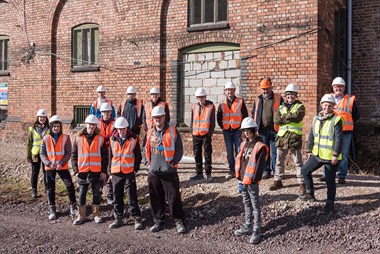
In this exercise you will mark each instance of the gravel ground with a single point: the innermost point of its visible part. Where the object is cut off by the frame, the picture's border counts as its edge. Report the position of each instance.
(214, 210)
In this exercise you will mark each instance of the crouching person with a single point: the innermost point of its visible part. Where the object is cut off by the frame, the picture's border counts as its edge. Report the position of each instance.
(249, 168)
(89, 160)
(55, 153)
(164, 150)
(125, 158)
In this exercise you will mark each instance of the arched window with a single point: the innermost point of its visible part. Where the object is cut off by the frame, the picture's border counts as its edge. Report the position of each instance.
(85, 45)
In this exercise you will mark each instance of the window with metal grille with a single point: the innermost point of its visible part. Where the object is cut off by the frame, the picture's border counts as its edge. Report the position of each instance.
(4, 41)
(85, 45)
(207, 11)
(80, 114)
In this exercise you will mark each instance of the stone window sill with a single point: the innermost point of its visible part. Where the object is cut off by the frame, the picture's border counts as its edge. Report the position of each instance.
(208, 26)
(85, 68)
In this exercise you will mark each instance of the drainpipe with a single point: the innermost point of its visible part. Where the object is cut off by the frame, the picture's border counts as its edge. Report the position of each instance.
(349, 46)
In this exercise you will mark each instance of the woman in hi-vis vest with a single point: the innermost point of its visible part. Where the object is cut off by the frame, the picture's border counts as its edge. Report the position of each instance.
(35, 134)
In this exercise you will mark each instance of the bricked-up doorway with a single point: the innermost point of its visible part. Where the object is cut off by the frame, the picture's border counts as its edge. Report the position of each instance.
(210, 66)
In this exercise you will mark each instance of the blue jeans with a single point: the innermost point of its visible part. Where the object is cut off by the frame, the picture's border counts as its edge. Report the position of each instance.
(233, 141)
(269, 137)
(312, 164)
(343, 164)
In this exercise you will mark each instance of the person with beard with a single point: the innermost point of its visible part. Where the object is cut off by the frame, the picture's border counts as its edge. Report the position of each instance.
(264, 108)
(55, 154)
(36, 132)
(250, 164)
(289, 136)
(89, 160)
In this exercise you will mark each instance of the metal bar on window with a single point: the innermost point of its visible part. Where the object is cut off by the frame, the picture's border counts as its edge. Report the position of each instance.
(1, 54)
(202, 11)
(216, 10)
(85, 46)
(5, 55)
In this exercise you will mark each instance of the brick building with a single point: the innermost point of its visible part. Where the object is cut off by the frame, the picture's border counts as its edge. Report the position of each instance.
(179, 46)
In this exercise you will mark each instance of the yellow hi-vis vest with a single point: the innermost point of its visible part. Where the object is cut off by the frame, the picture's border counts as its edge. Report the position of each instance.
(292, 127)
(324, 137)
(37, 140)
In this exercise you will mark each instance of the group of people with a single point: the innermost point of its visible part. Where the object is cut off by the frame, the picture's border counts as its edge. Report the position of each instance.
(108, 150)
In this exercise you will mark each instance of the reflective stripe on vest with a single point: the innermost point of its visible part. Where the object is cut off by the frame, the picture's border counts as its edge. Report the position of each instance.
(148, 113)
(55, 153)
(168, 142)
(251, 166)
(292, 126)
(324, 137)
(89, 157)
(37, 140)
(139, 104)
(106, 130)
(123, 159)
(344, 110)
(201, 122)
(232, 117)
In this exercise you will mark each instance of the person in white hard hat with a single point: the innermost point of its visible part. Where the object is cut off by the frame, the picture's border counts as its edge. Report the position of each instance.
(95, 107)
(231, 112)
(89, 161)
(345, 107)
(125, 159)
(324, 148)
(36, 132)
(263, 110)
(202, 125)
(250, 165)
(55, 153)
(164, 150)
(132, 109)
(289, 117)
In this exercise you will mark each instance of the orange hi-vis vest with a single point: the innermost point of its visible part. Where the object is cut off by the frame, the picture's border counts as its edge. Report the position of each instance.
(105, 101)
(106, 130)
(168, 143)
(123, 159)
(139, 104)
(89, 157)
(251, 166)
(55, 153)
(344, 110)
(258, 109)
(232, 117)
(148, 113)
(201, 120)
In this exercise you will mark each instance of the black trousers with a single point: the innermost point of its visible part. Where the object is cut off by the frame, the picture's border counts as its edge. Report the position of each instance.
(205, 143)
(67, 180)
(36, 167)
(161, 187)
(128, 182)
(84, 180)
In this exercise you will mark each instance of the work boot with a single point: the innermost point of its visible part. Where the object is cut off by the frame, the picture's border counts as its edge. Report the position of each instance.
(302, 189)
(307, 197)
(138, 223)
(328, 208)
(342, 181)
(81, 216)
(109, 200)
(247, 229)
(230, 175)
(266, 175)
(322, 179)
(208, 178)
(73, 209)
(196, 177)
(96, 213)
(118, 222)
(34, 193)
(277, 184)
(255, 238)
(158, 226)
(52, 212)
(180, 226)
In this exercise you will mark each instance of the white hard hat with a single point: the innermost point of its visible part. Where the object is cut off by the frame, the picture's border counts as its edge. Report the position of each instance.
(55, 118)
(338, 81)
(42, 112)
(248, 123)
(100, 89)
(154, 90)
(158, 111)
(230, 85)
(121, 123)
(200, 92)
(291, 88)
(105, 107)
(131, 89)
(92, 119)
(328, 98)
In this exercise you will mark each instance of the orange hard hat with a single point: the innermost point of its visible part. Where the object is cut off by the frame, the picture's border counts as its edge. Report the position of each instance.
(265, 83)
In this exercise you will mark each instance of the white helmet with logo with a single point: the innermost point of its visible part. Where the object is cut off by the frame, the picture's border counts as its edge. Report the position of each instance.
(248, 123)
(291, 88)
(100, 89)
(55, 118)
(327, 98)
(158, 111)
(154, 90)
(92, 119)
(200, 92)
(230, 85)
(121, 123)
(131, 90)
(105, 107)
(42, 112)
(338, 81)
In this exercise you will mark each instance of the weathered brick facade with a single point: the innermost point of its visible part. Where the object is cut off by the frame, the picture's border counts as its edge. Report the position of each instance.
(142, 43)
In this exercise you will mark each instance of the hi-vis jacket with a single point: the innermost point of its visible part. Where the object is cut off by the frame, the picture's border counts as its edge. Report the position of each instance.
(257, 109)
(344, 110)
(106, 130)
(168, 143)
(295, 127)
(148, 113)
(233, 116)
(89, 156)
(95, 108)
(202, 119)
(123, 157)
(139, 107)
(54, 154)
(34, 142)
